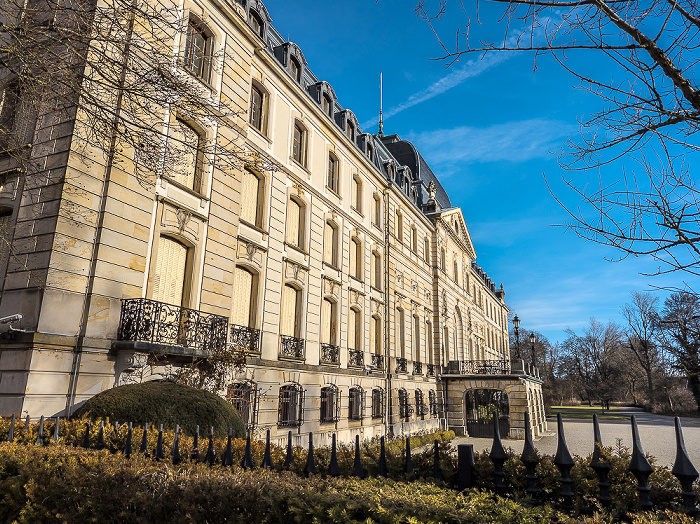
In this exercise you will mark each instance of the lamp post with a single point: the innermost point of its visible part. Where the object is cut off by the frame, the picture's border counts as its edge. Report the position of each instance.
(532, 343)
(516, 325)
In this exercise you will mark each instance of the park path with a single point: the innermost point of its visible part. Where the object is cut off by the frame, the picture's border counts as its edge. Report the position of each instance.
(656, 432)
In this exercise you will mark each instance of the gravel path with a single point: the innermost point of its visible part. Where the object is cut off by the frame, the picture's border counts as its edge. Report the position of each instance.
(656, 433)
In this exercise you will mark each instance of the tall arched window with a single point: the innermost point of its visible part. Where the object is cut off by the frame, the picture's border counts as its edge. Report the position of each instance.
(443, 263)
(426, 250)
(198, 46)
(185, 155)
(291, 304)
(416, 339)
(459, 335)
(400, 333)
(399, 226)
(376, 210)
(296, 214)
(333, 177)
(170, 271)
(414, 239)
(455, 269)
(329, 323)
(330, 402)
(251, 198)
(356, 258)
(429, 341)
(295, 69)
(356, 401)
(376, 271)
(330, 244)
(375, 335)
(291, 400)
(354, 330)
(299, 142)
(404, 408)
(356, 193)
(243, 310)
(256, 108)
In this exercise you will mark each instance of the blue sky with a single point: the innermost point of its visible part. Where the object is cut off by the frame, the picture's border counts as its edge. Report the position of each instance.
(488, 129)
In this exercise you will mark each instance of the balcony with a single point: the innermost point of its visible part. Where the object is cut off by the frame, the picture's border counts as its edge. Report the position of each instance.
(356, 358)
(484, 367)
(431, 370)
(246, 338)
(149, 325)
(417, 368)
(378, 361)
(292, 347)
(330, 354)
(401, 365)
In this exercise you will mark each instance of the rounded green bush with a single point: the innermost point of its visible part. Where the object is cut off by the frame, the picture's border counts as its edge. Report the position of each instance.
(168, 404)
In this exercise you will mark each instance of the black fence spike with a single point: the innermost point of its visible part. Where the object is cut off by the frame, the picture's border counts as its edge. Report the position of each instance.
(194, 453)
(310, 463)
(267, 458)
(40, 433)
(498, 456)
(382, 470)
(600, 465)
(409, 461)
(86, 438)
(57, 429)
(144, 441)
(210, 457)
(27, 426)
(437, 470)
(247, 462)
(11, 433)
(685, 472)
(160, 452)
(359, 472)
(127, 446)
(564, 463)
(228, 454)
(465, 466)
(640, 468)
(530, 459)
(289, 459)
(333, 469)
(175, 457)
(101, 436)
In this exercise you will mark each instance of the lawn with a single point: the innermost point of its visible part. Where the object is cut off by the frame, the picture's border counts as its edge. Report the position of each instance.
(587, 412)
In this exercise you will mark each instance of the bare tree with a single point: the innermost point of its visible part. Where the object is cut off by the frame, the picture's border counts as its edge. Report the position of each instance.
(642, 329)
(648, 54)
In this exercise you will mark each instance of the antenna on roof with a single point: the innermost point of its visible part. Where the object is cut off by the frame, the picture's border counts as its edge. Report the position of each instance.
(381, 103)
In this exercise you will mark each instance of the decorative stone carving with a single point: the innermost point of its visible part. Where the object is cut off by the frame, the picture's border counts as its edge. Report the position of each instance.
(299, 189)
(250, 252)
(295, 272)
(331, 287)
(444, 303)
(428, 295)
(414, 287)
(181, 221)
(432, 190)
(375, 307)
(399, 279)
(355, 297)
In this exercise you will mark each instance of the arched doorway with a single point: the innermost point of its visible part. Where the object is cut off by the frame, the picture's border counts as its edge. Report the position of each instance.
(479, 408)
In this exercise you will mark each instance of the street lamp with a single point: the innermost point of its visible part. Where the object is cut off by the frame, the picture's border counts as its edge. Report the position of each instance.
(532, 343)
(516, 325)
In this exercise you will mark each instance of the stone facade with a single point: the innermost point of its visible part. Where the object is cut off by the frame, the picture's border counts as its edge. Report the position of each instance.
(343, 269)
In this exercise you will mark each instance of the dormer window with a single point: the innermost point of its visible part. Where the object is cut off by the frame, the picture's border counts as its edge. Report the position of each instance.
(256, 24)
(351, 131)
(327, 106)
(370, 152)
(197, 50)
(295, 69)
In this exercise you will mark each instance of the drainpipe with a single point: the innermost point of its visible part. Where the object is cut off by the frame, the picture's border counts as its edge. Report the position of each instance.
(386, 308)
(78, 350)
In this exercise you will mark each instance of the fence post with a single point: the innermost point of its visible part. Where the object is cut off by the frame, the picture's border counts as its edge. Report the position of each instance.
(127, 446)
(86, 438)
(437, 470)
(27, 429)
(465, 466)
(144, 441)
(210, 457)
(101, 436)
(310, 464)
(289, 459)
(600, 466)
(564, 462)
(40, 433)
(382, 469)
(228, 454)
(409, 463)
(194, 453)
(530, 459)
(498, 456)
(160, 452)
(56, 429)
(333, 469)
(359, 472)
(685, 472)
(247, 462)
(175, 453)
(11, 433)
(640, 468)
(267, 458)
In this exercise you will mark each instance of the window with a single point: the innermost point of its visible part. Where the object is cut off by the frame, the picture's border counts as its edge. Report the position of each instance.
(356, 258)
(329, 324)
(370, 152)
(299, 144)
(9, 105)
(291, 400)
(356, 193)
(399, 226)
(443, 262)
(354, 330)
(401, 333)
(377, 403)
(256, 24)
(446, 342)
(291, 303)
(351, 131)
(5, 235)
(376, 210)
(432, 400)
(169, 277)
(185, 154)
(455, 267)
(355, 403)
(327, 105)
(295, 69)
(198, 46)
(330, 402)
(404, 408)
(332, 181)
(251, 198)
(376, 271)
(296, 214)
(426, 250)
(414, 239)
(244, 286)
(375, 335)
(416, 339)
(242, 396)
(421, 408)
(256, 108)
(330, 244)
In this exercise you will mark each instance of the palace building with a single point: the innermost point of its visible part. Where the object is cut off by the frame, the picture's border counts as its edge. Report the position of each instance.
(338, 261)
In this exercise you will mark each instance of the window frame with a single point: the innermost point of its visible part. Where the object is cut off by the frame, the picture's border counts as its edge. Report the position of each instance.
(356, 403)
(333, 174)
(294, 406)
(330, 404)
(300, 241)
(378, 400)
(203, 72)
(299, 153)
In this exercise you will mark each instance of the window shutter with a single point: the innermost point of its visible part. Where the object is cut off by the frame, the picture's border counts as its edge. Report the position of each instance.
(353, 257)
(326, 312)
(242, 297)
(293, 223)
(249, 197)
(169, 278)
(183, 145)
(289, 306)
(355, 193)
(328, 247)
(352, 333)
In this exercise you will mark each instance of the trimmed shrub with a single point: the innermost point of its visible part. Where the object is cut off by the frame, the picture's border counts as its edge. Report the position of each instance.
(165, 403)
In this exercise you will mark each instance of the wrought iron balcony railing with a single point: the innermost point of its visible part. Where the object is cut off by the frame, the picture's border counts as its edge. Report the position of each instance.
(431, 370)
(401, 365)
(330, 354)
(378, 361)
(484, 367)
(356, 358)
(417, 368)
(292, 347)
(158, 323)
(246, 338)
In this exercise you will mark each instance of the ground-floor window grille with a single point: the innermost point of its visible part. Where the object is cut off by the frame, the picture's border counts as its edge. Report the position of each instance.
(404, 407)
(421, 408)
(377, 403)
(244, 397)
(291, 402)
(432, 400)
(330, 403)
(356, 403)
